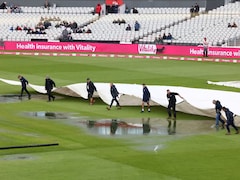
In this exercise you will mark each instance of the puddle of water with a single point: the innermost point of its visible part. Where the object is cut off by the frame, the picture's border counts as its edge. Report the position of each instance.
(11, 98)
(154, 132)
(17, 157)
(48, 115)
(121, 127)
(147, 126)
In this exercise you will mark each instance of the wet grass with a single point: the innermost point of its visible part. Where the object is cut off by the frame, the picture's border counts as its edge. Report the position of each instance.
(81, 155)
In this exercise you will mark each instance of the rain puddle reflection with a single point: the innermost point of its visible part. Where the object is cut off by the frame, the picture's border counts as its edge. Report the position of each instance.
(142, 126)
(11, 98)
(48, 115)
(121, 127)
(154, 132)
(145, 126)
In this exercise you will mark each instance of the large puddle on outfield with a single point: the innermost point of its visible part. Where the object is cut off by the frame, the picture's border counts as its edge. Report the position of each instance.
(142, 126)
(147, 134)
(13, 98)
(10, 98)
(14, 157)
(147, 126)
(49, 115)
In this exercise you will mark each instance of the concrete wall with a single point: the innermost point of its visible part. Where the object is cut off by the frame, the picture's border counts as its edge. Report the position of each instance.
(129, 3)
(212, 4)
(164, 3)
(209, 4)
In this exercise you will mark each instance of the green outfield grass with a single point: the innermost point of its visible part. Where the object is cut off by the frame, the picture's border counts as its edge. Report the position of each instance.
(81, 155)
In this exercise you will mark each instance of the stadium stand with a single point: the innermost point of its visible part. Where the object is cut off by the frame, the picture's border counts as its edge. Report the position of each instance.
(154, 22)
(212, 25)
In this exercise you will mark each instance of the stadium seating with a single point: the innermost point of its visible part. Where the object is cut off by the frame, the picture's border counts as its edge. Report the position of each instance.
(58, 10)
(212, 25)
(12, 20)
(185, 29)
(31, 16)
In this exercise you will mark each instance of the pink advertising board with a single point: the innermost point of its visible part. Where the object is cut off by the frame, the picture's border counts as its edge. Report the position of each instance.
(79, 47)
(71, 47)
(198, 51)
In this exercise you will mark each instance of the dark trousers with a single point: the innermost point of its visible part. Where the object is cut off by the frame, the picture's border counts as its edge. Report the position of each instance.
(24, 89)
(218, 118)
(172, 107)
(205, 52)
(231, 123)
(49, 93)
(114, 99)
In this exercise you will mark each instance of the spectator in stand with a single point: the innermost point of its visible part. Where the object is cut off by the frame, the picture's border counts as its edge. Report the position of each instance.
(164, 36)
(122, 22)
(46, 24)
(29, 31)
(3, 5)
(156, 40)
(15, 9)
(134, 11)
(46, 4)
(118, 21)
(136, 26)
(65, 32)
(234, 25)
(66, 35)
(88, 30)
(128, 28)
(196, 8)
(24, 27)
(40, 26)
(79, 30)
(73, 25)
(70, 38)
(192, 9)
(160, 39)
(18, 28)
(169, 36)
(98, 9)
(127, 11)
(65, 24)
(115, 6)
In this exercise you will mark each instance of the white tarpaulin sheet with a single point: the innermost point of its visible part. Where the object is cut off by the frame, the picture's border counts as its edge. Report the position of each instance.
(196, 101)
(235, 84)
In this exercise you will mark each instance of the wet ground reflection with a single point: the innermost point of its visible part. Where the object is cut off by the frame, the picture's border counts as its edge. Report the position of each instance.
(10, 98)
(48, 115)
(120, 127)
(142, 126)
(147, 126)
(147, 134)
